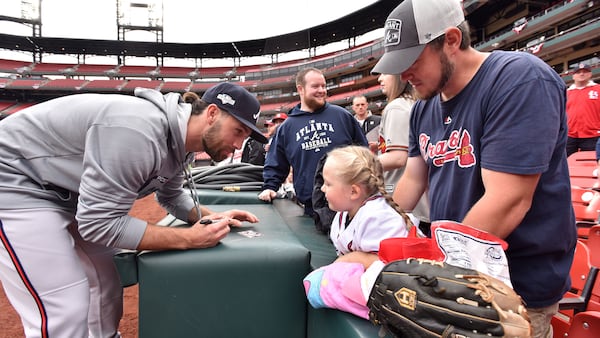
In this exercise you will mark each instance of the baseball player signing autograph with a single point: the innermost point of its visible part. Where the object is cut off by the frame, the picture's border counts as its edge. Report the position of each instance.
(70, 170)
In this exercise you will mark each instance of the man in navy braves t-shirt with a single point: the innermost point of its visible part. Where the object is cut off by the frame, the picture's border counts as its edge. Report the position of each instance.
(487, 138)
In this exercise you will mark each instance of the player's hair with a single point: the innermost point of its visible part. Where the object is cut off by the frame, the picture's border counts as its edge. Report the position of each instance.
(301, 75)
(194, 99)
(358, 165)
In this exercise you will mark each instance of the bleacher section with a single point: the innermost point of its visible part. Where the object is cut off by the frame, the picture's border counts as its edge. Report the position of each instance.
(94, 70)
(347, 70)
(176, 86)
(4, 105)
(26, 83)
(64, 84)
(8, 107)
(105, 85)
(44, 69)
(138, 71)
(12, 66)
(132, 84)
(176, 72)
(530, 26)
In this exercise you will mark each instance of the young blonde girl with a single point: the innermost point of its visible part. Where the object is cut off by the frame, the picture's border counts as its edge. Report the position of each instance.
(366, 214)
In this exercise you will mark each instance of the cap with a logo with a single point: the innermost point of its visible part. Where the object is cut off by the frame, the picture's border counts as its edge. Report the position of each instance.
(239, 103)
(278, 117)
(410, 26)
(583, 66)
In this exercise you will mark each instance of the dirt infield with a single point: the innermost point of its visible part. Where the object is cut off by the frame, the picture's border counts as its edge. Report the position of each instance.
(10, 324)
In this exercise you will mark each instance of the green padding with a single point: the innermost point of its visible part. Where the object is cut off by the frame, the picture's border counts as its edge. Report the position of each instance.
(329, 323)
(126, 262)
(209, 197)
(321, 249)
(243, 287)
(322, 323)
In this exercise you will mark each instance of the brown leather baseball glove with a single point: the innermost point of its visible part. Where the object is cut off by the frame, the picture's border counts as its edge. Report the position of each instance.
(426, 298)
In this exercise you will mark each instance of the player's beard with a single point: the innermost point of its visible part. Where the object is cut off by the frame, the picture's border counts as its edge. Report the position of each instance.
(447, 69)
(212, 144)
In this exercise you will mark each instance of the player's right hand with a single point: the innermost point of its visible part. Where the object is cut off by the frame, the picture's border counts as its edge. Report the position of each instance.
(209, 235)
(267, 195)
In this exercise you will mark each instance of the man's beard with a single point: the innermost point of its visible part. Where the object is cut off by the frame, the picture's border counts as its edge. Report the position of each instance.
(314, 104)
(447, 71)
(210, 143)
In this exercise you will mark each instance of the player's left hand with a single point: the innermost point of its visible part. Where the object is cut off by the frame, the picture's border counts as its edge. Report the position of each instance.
(236, 216)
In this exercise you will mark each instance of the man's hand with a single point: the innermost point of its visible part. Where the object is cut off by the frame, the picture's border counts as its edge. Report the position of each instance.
(267, 195)
(235, 217)
(202, 235)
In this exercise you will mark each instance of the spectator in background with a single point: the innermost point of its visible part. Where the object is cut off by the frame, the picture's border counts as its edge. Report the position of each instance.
(272, 126)
(393, 138)
(312, 128)
(368, 122)
(487, 138)
(583, 111)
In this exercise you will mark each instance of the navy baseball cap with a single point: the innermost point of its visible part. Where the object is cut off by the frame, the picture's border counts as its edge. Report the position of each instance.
(583, 66)
(239, 103)
(410, 27)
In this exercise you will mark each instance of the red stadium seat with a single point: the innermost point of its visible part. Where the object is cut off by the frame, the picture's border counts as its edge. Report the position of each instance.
(175, 86)
(584, 283)
(16, 107)
(6, 104)
(132, 84)
(13, 66)
(584, 175)
(593, 244)
(112, 85)
(586, 204)
(585, 325)
(64, 84)
(583, 277)
(582, 158)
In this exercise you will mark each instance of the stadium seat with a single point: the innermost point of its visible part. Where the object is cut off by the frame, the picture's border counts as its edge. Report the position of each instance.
(583, 158)
(583, 175)
(583, 278)
(584, 284)
(593, 243)
(585, 325)
(586, 204)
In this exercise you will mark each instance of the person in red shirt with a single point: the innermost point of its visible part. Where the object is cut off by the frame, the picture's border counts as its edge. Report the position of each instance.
(583, 111)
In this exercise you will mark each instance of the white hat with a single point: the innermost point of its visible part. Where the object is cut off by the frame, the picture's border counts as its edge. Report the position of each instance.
(410, 26)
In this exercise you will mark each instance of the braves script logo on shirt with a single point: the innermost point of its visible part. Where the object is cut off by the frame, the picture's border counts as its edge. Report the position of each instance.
(457, 148)
(314, 136)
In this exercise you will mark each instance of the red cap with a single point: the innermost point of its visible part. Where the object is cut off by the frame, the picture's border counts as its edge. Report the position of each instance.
(279, 116)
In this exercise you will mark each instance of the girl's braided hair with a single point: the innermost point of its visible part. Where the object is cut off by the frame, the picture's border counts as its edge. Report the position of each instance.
(358, 165)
